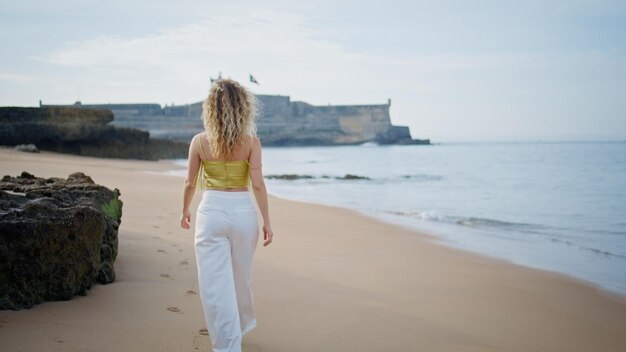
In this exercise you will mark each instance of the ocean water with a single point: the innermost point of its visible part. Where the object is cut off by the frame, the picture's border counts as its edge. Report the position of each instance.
(556, 206)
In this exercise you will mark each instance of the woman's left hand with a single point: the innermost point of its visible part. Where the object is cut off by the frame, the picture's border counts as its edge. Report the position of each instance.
(185, 219)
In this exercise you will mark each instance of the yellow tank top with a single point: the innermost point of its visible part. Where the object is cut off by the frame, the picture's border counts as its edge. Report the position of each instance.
(224, 174)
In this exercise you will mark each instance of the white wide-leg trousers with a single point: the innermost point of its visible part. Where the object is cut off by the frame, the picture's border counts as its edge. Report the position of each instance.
(227, 233)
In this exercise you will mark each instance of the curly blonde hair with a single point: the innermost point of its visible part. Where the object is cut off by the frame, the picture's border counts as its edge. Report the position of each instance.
(229, 114)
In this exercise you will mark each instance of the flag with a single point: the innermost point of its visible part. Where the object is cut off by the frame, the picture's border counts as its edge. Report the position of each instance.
(253, 80)
(213, 80)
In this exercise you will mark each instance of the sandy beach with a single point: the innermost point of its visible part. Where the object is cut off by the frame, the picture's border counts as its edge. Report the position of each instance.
(333, 280)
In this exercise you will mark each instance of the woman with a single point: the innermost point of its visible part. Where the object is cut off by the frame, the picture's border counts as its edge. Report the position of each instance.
(223, 160)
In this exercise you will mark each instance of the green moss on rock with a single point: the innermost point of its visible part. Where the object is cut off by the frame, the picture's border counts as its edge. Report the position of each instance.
(113, 209)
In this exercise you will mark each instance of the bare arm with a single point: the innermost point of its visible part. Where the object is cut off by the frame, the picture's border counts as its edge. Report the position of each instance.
(190, 182)
(260, 192)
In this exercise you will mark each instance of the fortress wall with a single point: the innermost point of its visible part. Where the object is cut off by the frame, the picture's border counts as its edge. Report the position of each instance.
(158, 120)
(195, 110)
(274, 109)
(274, 103)
(176, 110)
(367, 121)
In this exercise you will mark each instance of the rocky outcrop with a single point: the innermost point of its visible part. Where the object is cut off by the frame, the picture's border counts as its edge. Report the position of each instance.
(398, 135)
(82, 131)
(57, 238)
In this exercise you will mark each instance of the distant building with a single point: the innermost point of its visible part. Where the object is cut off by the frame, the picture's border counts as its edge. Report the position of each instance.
(282, 122)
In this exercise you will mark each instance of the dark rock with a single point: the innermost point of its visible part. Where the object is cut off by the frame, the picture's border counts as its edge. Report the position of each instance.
(82, 131)
(29, 148)
(288, 177)
(399, 135)
(353, 177)
(57, 237)
(25, 175)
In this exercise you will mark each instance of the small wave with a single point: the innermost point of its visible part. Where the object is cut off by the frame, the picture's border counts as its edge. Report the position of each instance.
(434, 215)
(603, 252)
(482, 222)
(476, 222)
(608, 232)
(590, 249)
(369, 144)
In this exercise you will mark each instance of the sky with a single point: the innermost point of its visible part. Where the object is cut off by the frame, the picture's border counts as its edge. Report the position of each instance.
(454, 70)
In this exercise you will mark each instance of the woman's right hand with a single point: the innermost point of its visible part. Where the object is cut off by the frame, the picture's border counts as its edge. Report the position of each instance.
(185, 218)
(267, 235)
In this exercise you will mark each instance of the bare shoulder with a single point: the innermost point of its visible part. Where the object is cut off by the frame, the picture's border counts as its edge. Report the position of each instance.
(199, 135)
(255, 145)
(196, 143)
(197, 139)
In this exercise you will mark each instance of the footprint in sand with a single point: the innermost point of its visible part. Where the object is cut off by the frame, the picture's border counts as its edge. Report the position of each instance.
(180, 250)
(155, 226)
(196, 342)
(191, 292)
(184, 262)
(169, 232)
(165, 275)
(161, 251)
(156, 237)
(173, 309)
(174, 245)
(203, 332)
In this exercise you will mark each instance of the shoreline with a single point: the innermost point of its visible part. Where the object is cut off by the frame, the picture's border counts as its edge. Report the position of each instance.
(440, 240)
(445, 241)
(333, 280)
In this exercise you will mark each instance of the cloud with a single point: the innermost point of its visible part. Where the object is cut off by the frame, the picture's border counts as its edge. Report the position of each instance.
(270, 37)
(16, 79)
(276, 46)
